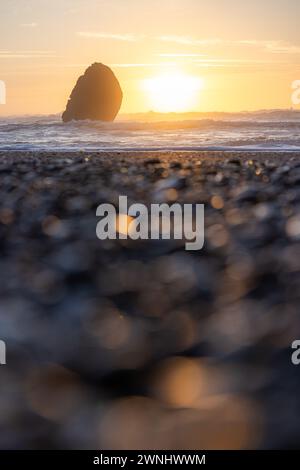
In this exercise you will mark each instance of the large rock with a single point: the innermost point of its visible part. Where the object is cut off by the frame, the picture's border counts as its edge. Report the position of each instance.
(97, 95)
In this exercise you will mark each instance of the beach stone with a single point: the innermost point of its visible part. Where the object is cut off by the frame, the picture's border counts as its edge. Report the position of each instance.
(234, 161)
(109, 328)
(247, 194)
(97, 96)
(171, 182)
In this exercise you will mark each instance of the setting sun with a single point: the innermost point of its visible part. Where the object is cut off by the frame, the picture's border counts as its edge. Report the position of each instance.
(175, 92)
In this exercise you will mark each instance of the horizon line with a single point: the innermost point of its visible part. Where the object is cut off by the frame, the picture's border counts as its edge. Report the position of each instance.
(245, 111)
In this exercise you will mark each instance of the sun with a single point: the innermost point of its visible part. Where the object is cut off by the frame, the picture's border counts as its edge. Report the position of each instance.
(173, 92)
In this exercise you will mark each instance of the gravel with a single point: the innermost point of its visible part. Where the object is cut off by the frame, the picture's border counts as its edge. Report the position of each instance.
(123, 344)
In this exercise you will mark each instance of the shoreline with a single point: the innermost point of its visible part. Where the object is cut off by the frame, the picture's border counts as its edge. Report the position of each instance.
(175, 150)
(163, 152)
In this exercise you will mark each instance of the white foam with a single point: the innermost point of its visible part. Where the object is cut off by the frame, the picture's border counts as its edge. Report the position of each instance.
(42, 133)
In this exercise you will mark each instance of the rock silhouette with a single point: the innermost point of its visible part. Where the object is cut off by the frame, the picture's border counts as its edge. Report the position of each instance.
(97, 95)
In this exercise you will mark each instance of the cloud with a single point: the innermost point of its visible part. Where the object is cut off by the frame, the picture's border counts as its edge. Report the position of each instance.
(179, 55)
(272, 46)
(114, 37)
(137, 65)
(229, 63)
(19, 54)
(29, 25)
(276, 47)
(187, 40)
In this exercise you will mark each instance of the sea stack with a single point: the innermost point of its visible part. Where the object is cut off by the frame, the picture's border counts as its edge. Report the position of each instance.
(97, 96)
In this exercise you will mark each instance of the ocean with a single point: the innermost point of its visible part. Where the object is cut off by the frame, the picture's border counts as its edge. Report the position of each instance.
(264, 130)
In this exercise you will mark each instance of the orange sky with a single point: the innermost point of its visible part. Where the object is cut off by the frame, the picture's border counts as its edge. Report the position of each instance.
(246, 55)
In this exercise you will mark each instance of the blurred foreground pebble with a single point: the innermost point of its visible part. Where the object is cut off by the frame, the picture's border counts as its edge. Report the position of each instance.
(126, 344)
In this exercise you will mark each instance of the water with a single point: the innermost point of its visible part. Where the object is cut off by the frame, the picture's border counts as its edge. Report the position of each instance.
(276, 130)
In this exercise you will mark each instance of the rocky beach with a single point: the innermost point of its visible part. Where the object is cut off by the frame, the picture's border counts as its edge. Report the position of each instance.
(122, 344)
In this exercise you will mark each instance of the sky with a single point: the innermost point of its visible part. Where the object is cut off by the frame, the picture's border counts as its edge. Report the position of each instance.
(245, 55)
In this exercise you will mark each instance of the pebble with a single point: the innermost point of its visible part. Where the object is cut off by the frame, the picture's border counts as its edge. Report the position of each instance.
(122, 344)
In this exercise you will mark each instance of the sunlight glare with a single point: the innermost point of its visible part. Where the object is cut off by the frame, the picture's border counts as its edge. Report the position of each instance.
(173, 92)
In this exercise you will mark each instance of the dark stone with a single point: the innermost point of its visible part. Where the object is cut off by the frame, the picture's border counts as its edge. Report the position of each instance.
(97, 96)
(152, 161)
(234, 161)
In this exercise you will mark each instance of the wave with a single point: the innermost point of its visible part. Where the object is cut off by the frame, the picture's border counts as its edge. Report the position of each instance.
(264, 130)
